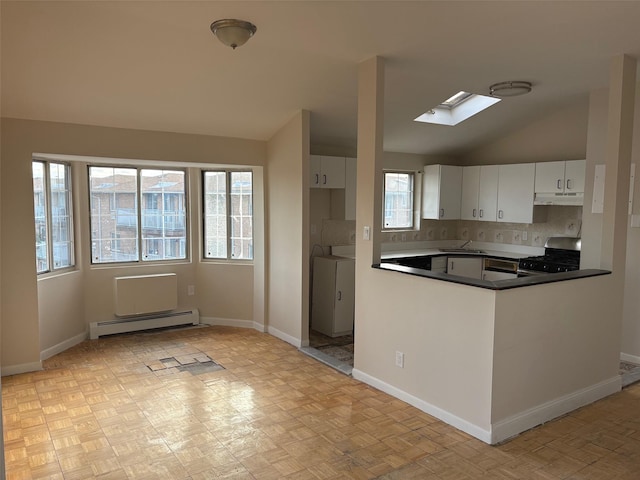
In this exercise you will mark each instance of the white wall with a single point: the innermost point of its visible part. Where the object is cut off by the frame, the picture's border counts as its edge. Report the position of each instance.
(556, 348)
(33, 319)
(559, 135)
(288, 231)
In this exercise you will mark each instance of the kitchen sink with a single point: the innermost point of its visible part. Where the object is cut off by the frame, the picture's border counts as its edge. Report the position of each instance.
(461, 250)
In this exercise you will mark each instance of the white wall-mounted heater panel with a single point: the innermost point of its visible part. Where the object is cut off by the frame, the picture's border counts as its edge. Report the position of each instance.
(145, 294)
(144, 302)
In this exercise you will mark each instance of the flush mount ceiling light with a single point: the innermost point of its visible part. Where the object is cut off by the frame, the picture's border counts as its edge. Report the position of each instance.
(509, 89)
(233, 33)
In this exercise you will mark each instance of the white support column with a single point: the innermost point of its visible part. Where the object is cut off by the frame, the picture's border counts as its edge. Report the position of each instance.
(618, 165)
(369, 176)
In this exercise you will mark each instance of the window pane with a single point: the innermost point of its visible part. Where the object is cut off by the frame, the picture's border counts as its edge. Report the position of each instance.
(241, 215)
(114, 217)
(61, 224)
(163, 214)
(215, 214)
(40, 215)
(398, 200)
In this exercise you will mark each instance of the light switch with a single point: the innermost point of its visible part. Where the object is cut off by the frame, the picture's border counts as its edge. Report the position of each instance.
(366, 233)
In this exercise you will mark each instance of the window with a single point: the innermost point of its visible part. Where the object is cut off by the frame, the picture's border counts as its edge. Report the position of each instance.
(228, 215)
(52, 214)
(398, 200)
(137, 214)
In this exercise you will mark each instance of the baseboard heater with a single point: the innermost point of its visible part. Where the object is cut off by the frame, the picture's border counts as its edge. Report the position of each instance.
(146, 322)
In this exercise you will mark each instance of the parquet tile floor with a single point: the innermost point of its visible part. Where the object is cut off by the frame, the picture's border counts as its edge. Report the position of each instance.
(124, 407)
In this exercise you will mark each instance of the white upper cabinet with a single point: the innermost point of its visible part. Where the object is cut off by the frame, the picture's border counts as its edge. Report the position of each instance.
(557, 179)
(441, 192)
(327, 172)
(574, 173)
(516, 192)
(470, 193)
(479, 193)
(350, 188)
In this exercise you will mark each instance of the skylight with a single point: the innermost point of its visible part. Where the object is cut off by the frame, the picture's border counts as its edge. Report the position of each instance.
(457, 108)
(455, 100)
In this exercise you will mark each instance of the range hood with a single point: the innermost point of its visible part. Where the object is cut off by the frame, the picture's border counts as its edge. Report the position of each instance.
(571, 199)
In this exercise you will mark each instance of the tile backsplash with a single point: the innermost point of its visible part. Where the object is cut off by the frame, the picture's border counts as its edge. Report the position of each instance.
(557, 221)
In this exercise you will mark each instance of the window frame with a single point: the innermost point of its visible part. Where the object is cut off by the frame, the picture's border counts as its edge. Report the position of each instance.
(228, 216)
(47, 193)
(138, 207)
(414, 223)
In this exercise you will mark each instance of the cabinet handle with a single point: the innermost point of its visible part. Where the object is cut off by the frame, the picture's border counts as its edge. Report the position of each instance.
(317, 182)
(474, 213)
(500, 214)
(452, 267)
(441, 212)
(481, 213)
(559, 184)
(339, 295)
(324, 179)
(569, 187)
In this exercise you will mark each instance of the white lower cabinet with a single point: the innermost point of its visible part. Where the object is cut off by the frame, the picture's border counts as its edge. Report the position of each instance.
(333, 295)
(493, 276)
(465, 266)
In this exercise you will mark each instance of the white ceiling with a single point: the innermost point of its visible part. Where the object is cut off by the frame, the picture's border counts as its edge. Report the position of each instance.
(156, 65)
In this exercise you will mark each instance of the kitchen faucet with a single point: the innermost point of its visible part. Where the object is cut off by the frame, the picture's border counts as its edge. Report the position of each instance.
(468, 242)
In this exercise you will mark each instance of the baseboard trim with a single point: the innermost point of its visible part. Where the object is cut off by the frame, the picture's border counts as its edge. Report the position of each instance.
(22, 368)
(447, 417)
(232, 322)
(625, 357)
(545, 412)
(296, 342)
(62, 346)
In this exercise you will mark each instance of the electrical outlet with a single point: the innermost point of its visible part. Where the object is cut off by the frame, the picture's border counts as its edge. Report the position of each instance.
(525, 235)
(400, 359)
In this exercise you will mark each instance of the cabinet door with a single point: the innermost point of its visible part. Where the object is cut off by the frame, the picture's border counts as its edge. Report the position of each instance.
(493, 276)
(322, 300)
(344, 297)
(574, 173)
(550, 177)
(488, 193)
(431, 192)
(350, 183)
(515, 193)
(332, 172)
(314, 171)
(450, 192)
(465, 266)
(470, 193)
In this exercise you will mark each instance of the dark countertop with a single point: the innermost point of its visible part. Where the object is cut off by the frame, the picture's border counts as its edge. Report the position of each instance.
(493, 285)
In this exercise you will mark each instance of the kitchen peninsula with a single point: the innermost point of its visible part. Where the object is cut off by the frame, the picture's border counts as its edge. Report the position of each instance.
(492, 358)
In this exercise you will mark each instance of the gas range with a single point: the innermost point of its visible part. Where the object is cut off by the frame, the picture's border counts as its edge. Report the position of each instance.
(561, 254)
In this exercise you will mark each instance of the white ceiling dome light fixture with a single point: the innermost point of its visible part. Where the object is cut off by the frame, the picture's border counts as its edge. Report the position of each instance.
(509, 89)
(233, 33)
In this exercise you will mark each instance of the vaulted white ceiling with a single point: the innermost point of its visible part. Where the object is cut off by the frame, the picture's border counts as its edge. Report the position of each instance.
(156, 65)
